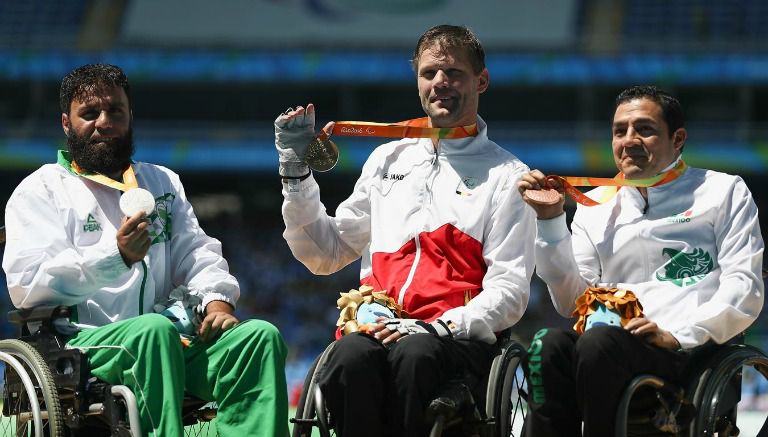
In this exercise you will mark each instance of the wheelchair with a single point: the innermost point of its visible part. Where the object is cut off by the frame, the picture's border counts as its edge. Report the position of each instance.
(47, 390)
(707, 402)
(454, 410)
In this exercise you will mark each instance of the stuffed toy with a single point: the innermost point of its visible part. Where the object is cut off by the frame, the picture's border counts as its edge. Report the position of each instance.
(360, 309)
(605, 306)
(184, 309)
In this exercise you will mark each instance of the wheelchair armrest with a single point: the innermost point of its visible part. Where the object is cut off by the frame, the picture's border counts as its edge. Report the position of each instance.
(41, 313)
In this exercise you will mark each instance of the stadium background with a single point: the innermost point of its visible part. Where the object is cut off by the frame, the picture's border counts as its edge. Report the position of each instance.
(208, 79)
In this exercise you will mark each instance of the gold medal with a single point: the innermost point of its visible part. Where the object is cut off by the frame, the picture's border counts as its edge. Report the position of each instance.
(322, 154)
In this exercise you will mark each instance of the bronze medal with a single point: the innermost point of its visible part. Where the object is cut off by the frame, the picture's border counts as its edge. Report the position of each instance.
(547, 196)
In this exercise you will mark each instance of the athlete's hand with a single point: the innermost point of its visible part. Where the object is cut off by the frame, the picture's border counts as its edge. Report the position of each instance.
(294, 130)
(652, 333)
(535, 180)
(219, 317)
(383, 334)
(390, 330)
(133, 238)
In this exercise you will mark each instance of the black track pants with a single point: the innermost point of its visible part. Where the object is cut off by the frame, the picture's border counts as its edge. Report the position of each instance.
(372, 390)
(574, 378)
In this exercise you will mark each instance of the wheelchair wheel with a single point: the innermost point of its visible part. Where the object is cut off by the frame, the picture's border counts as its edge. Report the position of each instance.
(30, 401)
(506, 394)
(311, 411)
(719, 391)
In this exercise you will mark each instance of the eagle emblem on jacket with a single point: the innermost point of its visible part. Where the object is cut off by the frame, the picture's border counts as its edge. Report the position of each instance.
(685, 269)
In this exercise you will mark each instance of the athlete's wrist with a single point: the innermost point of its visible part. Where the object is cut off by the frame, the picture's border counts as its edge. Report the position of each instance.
(287, 179)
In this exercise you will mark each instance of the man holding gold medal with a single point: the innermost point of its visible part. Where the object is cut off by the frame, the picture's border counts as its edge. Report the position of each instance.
(683, 242)
(117, 240)
(442, 234)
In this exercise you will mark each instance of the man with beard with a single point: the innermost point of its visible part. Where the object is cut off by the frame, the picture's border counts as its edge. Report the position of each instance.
(440, 230)
(69, 243)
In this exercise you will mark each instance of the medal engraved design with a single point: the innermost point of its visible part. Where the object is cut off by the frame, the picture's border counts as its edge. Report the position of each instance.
(546, 196)
(322, 154)
(136, 200)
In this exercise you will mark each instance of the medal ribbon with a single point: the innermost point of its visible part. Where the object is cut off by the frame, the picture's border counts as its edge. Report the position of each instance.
(570, 182)
(414, 128)
(129, 178)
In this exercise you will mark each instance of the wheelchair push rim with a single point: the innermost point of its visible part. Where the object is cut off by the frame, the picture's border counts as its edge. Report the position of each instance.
(31, 404)
(505, 401)
(717, 415)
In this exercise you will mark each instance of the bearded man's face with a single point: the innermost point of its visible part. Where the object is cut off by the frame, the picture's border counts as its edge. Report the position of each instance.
(108, 156)
(99, 131)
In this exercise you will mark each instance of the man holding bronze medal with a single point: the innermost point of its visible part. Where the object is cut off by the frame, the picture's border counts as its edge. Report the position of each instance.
(117, 240)
(683, 242)
(442, 235)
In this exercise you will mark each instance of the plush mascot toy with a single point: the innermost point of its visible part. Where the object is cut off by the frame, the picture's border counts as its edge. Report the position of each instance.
(360, 309)
(607, 307)
(184, 309)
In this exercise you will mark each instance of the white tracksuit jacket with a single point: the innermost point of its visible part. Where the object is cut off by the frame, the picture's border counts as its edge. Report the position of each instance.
(445, 234)
(693, 255)
(61, 247)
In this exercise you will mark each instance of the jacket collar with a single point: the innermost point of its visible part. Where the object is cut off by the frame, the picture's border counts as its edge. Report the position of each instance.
(64, 159)
(460, 146)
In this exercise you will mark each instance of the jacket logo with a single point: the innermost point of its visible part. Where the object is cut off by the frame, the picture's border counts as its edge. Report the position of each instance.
(469, 182)
(466, 185)
(161, 220)
(683, 217)
(91, 225)
(685, 269)
(393, 177)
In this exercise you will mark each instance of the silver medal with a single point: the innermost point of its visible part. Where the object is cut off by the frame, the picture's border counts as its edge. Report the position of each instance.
(136, 200)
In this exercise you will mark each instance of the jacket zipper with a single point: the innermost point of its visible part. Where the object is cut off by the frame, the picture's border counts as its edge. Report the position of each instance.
(417, 257)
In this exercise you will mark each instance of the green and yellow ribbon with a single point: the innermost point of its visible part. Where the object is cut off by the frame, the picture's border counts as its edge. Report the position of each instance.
(570, 183)
(129, 177)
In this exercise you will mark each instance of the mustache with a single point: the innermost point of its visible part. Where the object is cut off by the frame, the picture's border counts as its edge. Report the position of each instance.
(635, 150)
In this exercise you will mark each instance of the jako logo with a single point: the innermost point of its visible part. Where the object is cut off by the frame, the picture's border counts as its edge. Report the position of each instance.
(683, 217)
(394, 177)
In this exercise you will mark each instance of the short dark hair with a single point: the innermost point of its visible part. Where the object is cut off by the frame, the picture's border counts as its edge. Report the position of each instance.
(447, 37)
(89, 80)
(671, 109)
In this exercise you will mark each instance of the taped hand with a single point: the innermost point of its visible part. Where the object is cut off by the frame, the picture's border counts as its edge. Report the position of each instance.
(294, 130)
(415, 326)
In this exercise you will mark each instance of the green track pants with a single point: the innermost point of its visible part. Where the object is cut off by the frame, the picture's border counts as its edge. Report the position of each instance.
(243, 371)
